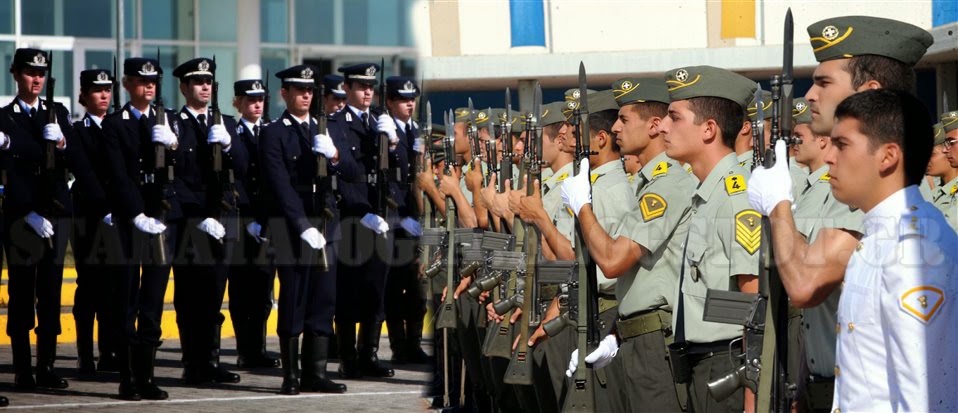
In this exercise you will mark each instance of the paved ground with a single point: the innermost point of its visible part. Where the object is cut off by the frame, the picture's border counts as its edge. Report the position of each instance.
(257, 391)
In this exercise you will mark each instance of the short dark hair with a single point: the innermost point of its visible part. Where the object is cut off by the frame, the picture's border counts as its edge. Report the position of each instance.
(891, 73)
(603, 121)
(552, 130)
(893, 116)
(648, 110)
(726, 113)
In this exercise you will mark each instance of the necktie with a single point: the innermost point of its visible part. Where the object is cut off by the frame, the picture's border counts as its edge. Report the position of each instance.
(305, 126)
(255, 131)
(409, 131)
(202, 119)
(33, 112)
(365, 118)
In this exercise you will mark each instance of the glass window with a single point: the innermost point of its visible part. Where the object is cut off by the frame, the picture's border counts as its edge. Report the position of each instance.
(356, 18)
(63, 73)
(314, 21)
(7, 86)
(6, 16)
(272, 61)
(168, 19)
(170, 57)
(89, 18)
(274, 21)
(37, 18)
(218, 20)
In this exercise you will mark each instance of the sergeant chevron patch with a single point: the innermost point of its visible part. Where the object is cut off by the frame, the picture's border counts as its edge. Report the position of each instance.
(652, 206)
(922, 302)
(748, 230)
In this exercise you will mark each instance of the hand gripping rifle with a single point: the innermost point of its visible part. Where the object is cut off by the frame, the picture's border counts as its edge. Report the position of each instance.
(323, 182)
(50, 164)
(384, 201)
(764, 316)
(160, 169)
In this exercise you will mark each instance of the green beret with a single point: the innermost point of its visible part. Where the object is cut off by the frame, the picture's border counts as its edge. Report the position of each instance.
(604, 100)
(940, 135)
(800, 111)
(850, 36)
(949, 120)
(462, 114)
(707, 81)
(637, 90)
(752, 108)
(552, 113)
(573, 94)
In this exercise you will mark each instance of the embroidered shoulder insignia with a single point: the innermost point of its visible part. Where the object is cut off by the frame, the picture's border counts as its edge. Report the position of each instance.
(126, 115)
(742, 163)
(652, 206)
(184, 116)
(287, 122)
(661, 169)
(349, 117)
(86, 122)
(688, 169)
(735, 184)
(595, 177)
(562, 177)
(954, 188)
(748, 230)
(825, 177)
(16, 108)
(922, 302)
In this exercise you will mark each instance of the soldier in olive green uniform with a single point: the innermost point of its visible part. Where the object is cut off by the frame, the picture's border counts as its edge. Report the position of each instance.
(944, 196)
(745, 153)
(724, 232)
(645, 253)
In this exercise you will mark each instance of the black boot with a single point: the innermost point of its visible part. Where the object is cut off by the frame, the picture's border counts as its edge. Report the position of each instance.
(128, 388)
(315, 356)
(46, 356)
(86, 366)
(22, 362)
(109, 358)
(192, 365)
(214, 371)
(369, 363)
(414, 352)
(145, 359)
(251, 346)
(289, 353)
(346, 340)
(397, 340)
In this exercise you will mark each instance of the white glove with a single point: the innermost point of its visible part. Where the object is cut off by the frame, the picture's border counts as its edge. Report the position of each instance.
(323, 144)
(576, 191)
(375, 223)
(212, 227)
(218, 134)
(163, 134)
(108, 219)
(599, 358)
(314, 238)
(411, 226)
(254, 229)
(385, 124)
(419, 145)
(148, 225)
(52, 132)
(767, 187)
(40, 225)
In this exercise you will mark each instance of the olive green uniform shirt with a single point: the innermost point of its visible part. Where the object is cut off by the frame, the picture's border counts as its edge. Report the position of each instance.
(612, 201)
(944, 199)
(659, 225)
(723, 241)
(815, 209)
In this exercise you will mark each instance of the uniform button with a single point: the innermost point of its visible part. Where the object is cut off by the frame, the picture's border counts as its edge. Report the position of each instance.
(851, 327)
(838, 371)
(838, 410)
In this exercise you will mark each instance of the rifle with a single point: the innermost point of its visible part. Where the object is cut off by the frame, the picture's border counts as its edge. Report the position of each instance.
(159, 165)
(217, 118)
(384, 202)
(50, 164)
(580, 397)
(265, 116)
(447, 312)
(318, 111)
(226, 179)
(116, 88)
(764, 316)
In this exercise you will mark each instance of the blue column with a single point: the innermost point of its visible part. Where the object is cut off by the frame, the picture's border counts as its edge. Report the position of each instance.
(527, 23)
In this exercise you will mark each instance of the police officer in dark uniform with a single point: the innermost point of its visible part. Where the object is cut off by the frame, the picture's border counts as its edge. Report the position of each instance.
(251, 279)
(96, 247)
(291, 150)
(366, 238)
(334, 99)
(210, 224)
(405, 304)
(36, 223)
(144, 210)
